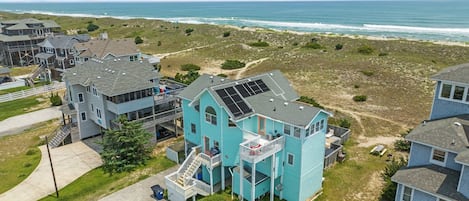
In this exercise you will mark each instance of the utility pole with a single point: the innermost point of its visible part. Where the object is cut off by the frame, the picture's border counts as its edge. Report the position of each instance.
(52, 168)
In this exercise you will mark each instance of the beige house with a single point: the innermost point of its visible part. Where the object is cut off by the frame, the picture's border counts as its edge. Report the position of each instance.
(107, 49)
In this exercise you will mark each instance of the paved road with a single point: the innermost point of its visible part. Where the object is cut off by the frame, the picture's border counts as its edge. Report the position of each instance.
(70, 162)
(18, 124)
(141, 191)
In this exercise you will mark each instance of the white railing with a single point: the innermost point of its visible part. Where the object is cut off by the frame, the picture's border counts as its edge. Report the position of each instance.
(189, 159)
(210, 161)
(171, 184)
(166, 96)
(32, 92)
(202, 188)
(258, 148)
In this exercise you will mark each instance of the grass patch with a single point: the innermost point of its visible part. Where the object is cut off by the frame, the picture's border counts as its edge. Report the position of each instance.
(96, 183)
(259, 44)
(20, 106)
(190, 67)
(17, 71)
(313, 45)
(19, 154)
(359, 98)
(11, 90)
(365, 49)
(232, 64)
(367, 73)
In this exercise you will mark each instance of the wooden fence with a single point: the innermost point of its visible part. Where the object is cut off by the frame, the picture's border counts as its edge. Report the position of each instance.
(32, 92)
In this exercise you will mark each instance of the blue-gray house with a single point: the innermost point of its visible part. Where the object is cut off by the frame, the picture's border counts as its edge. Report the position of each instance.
(438, 167)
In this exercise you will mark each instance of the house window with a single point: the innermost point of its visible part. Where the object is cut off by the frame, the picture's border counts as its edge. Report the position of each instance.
(98, 113)
(193, 128)
(80, 98)
(83, 116)
(286, 129)
(211, 115)
(312, 130)
(92, 107)
(261, 125)
(72, 62)
(438, 156)
(297, 132)
(216, 144)
(322, 124)
(95, 91)
(407, 195)
(231, 123)
(317, 127)
(88, 89)
(307, 132)
(446, 90)
(197, 108)
(290, 159)
(458, 93)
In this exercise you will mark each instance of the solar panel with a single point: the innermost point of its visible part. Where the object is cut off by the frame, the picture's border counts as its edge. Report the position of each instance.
(251, 92)
(244, 107)
(242, 91)
(233, 101)
(262, 85)
(231, 91)
(257, 89)
(221, 93)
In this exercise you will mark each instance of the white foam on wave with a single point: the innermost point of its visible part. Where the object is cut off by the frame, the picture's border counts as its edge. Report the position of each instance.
(279, 25)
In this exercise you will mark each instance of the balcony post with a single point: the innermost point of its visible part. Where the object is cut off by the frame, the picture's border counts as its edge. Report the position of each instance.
(222, 178)
(211, 181)
(253, 182)
(272, 180)
(241, 175)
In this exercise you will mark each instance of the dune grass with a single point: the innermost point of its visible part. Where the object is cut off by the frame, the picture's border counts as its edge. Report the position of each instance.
(96, 183)
(19, 154)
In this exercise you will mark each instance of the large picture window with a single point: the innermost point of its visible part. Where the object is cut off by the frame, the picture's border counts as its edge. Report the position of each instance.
(211, 115)
(446, 90)
(458, 93)
(407, 195)
(438, 156)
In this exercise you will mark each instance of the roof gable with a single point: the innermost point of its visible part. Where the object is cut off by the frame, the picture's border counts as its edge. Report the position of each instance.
(458, 73)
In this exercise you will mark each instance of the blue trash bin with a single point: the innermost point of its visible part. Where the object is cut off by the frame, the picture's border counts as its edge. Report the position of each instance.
(157, 192)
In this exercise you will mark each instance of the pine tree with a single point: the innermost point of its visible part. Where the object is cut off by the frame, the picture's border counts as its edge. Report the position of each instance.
(126, 148)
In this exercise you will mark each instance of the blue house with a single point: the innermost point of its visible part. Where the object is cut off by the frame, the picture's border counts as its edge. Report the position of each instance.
(250, 134)
(438, 167)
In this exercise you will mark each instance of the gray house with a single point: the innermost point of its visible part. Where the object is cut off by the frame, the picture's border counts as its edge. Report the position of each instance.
(56, 52)
(100, 91)
(19, 39)
(438, 167)
(103, 48)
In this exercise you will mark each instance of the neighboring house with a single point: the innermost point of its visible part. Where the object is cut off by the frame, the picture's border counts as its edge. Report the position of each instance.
(107, 49)
(4, 75)
(438, 167)
(100, 91)
(19, 39)
(253, 134)
(56, 52)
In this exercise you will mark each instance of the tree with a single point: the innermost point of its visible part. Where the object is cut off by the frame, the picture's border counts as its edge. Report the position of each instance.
(389, 191)
(92, 27)
(187, 78)
(126, 148)
(138, 40)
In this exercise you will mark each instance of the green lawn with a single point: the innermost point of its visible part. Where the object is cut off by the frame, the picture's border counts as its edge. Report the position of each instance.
(20, 106)
(19, 154)
(96, 184)
(11, 90)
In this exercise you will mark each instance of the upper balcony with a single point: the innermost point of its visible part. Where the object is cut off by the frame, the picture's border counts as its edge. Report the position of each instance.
(259, 148)
(172, 89)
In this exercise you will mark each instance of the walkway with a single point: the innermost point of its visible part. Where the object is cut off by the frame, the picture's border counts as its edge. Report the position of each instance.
(70, 162)
(141, 191)
(17, 124)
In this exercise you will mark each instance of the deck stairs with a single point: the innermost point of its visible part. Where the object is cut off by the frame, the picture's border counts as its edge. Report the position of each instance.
(37, 72)
(190, 171)
(60, 136)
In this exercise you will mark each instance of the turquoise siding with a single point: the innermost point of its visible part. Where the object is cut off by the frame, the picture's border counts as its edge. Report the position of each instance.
(312, 163)
(464, 183)
(216, 174)
(419, 155)
(261, 188)
(190, 115)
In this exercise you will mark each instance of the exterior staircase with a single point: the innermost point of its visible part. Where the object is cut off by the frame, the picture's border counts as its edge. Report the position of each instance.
(190, 171)
(60, 136)
(37, 72)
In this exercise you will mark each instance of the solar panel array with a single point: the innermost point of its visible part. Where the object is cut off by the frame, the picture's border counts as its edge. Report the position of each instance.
(252, 88)
(232, 97)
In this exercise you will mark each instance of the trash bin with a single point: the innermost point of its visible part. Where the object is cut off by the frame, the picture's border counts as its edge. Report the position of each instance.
(157, 192)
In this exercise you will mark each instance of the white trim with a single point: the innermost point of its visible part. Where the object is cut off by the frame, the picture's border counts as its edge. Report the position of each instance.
(453, 87)
(433, 102)
(403, 190)
(423, 191)
(433, 146)
(436, 162)
(460, 178)
(81, 117)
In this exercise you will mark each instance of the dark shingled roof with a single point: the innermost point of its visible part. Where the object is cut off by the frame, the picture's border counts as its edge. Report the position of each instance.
(449, 133)
(270, 103)
(113, 77)
(65, 41)
(458, 73)
(432, 179)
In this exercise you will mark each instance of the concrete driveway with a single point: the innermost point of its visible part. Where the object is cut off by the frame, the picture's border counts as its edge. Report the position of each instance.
(17, 124)
(141, 191)
(70, 162)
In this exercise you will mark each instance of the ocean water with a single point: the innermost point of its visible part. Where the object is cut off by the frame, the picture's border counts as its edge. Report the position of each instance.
(442, 20)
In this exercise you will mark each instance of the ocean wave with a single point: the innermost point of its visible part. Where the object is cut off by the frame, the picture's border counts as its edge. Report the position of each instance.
(377, 29)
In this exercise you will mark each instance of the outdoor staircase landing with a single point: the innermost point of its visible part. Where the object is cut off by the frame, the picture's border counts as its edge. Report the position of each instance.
(190, 171)
(60, 136)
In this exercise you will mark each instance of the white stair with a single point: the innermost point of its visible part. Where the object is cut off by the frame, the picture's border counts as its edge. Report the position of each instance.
(190, 171)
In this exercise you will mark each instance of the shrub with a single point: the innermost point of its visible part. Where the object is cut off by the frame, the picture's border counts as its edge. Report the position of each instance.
(92, 27)
(259, 44)
(365, 49)
(82, 31)
(55, 99)
(359, 98)
(190, 67)
(222, 75)
(339, 46)
(226, 34)
(344, 123)
(232, 64)
(313, 45)
(356, 86)
(30, 152)
(402, 144)
(309, 100)
(389, 190)
(295, 44)
(367, 73)
(382, 54)
(189, 31)
(159, 43)
(138, 40)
